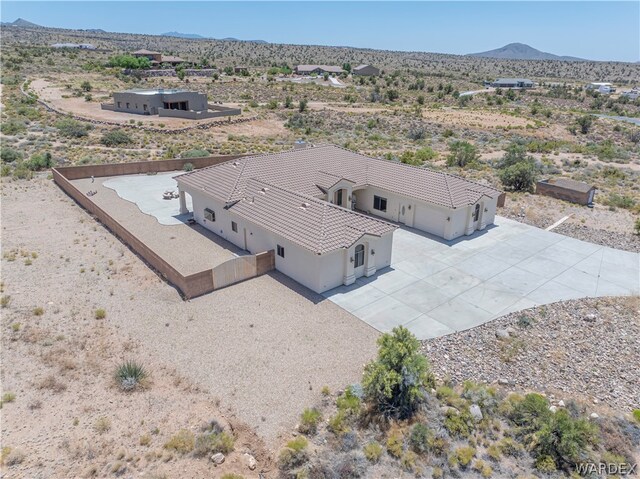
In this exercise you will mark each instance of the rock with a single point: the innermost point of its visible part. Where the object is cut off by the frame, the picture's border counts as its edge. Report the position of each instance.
(553, 408)
(502, 334)
(590, 318)
(449, 410)
(476, 412)
(561, 403)
(511, 331)
(594, 415)
(250, 461)
(503, 382)
(217, 458)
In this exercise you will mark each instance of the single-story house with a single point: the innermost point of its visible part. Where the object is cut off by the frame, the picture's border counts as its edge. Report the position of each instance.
(366, 70)
(240, 70)
(567, 189)
(157, 57)
(603, 87)
(512, 83)
(632, 94)
(330, 213)
(167, 102)
(318, 69)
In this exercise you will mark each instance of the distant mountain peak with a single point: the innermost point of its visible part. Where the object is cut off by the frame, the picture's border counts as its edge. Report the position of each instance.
(192, 36)
(521, 51)
(21, 22)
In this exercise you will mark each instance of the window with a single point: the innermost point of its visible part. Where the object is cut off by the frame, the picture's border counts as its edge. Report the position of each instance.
(280, 251)
(379, 203)
(476, 213)
(234, 226)
(209, 214)
(119, 105)
(144, 107)
(339, 197)
(359, 256)
(127, 105)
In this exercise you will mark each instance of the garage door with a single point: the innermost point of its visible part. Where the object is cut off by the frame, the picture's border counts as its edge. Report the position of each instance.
(430, 220)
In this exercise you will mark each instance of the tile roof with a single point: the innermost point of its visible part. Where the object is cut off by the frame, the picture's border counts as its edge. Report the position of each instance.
(145, 52)
(326, 68)
(309, 222)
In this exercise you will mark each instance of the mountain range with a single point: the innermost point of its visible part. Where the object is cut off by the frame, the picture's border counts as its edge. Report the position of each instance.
(195, 36)
(520, 51)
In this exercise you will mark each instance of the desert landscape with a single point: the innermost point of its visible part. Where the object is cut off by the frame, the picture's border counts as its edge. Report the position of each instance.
(108, 370)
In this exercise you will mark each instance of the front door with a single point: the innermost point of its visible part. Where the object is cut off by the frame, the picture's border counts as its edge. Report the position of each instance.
(358, 261)
(402, 214)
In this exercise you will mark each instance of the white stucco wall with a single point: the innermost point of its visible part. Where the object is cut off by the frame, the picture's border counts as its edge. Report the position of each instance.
(317, 272)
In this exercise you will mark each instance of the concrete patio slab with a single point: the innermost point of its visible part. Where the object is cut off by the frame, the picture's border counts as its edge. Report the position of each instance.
(435, 287)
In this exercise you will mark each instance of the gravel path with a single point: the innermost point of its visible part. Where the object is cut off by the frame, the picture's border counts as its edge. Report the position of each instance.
(586, 347)
(627, 242)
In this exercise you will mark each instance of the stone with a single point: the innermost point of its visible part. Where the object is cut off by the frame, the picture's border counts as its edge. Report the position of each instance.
(553, 408)
(503, 382)
(250, 461)
(594, 415)
(476, 412)
(590, 318)
(561, 403)
(502, 334)
(217, 458)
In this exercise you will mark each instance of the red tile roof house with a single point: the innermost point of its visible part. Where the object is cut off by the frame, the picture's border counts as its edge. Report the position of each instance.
(327, 211)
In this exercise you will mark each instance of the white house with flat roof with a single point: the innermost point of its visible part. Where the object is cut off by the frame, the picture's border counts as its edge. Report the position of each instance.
(329, 213)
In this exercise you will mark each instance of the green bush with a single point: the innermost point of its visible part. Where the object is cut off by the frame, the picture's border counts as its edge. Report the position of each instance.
(585, 122)
(394, 383)
(519, 177)
(636, 412)
(195, 153)
(620, 201)
(71, 128)
(182, 442)
(395, 444)
(115, 138)
(12, 127)
(349, 402)
(9, 155)
(530, 413)
(128, 61)
(419, 438)
(309, 420)
(462, 154)
(462, 456)
(40, 162)
(130, 375)
(213, 442)
(372, 451)
(294, 454)
(545, 464)
(459, 423)
(100, 313)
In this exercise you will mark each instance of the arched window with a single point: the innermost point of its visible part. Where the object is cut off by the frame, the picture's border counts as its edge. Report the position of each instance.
(476, 213)
(359, 256)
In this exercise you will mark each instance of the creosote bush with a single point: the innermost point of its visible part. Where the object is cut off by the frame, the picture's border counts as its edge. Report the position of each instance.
(130, 375)
(100, 313)
(309, 420)
(372, 451)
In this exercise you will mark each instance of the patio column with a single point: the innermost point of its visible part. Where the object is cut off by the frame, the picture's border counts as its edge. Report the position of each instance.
(183, 203)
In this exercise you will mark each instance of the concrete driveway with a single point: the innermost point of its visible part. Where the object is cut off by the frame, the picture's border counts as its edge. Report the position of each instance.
(436, 287)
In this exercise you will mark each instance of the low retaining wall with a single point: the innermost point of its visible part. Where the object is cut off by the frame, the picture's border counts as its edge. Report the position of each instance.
(192, 285)
(555, 191)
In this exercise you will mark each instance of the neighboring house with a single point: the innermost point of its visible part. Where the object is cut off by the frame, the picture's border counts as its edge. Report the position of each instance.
(318, 69)
(157, 58)
(512, 83)
(365, 70)
(80, 46)
(567, 189)
(170, 103)
(603, 87)
(240, 70)
(325, 210)
(632, 94)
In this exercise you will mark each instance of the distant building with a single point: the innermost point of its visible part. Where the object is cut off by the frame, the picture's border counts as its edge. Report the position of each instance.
(567, 189)
(366, 70)
(157, 58)
(603, 87)
(512, 83)
(318, 69)
(168, 103)
(632, 94)
(80, 46)
(240, 70)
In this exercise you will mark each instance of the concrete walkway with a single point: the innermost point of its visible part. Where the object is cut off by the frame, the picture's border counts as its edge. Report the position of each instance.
(435, 287)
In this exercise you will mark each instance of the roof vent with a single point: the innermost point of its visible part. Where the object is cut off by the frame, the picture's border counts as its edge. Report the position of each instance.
(235, 164)
(264, 190)
(305, 205)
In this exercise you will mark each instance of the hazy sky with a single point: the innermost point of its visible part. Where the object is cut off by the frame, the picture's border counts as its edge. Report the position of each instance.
(594, 30)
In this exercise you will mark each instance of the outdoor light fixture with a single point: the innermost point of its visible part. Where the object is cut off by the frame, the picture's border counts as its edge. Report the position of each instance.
(409, 206)
(373, 252)
(448, 218)
(351, 259)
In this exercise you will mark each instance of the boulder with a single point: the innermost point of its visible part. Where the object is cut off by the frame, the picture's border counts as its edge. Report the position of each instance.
(250, 461)
(502, 334)
(217, 458)
(476, 412)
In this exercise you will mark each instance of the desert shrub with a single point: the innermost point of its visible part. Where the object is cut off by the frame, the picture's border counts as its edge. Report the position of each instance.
(38, 311)
(213, 442)
(9, 155)
(130, 375)
(102, 425)
(182, 442)
(14, 457)
(349, 402)
(115, 138)
(426, 154)
(408, 461)
(100, 313)
(419, 438)
(636, 412)
(294, 454)
(530, 413)
(12, 127)
(494, 452)
(620, 201)
(459, 422)
(510, 447)
(564, 439)
(5, 300)
(416, 133)
(7, 397)
(195, 153)
(128, 61)
(395, 443)
(482, 468)
(309, 420)
(480, 394)
(372, 451)
(585, 122)
(71, 128)
(545, 464)
(230, 475)
(40, 162)
(395, 382)
(462, 154)
(338, 423)
(438, 444)
(187, 167)
(517, 170)
(462, 456)
(302, 106)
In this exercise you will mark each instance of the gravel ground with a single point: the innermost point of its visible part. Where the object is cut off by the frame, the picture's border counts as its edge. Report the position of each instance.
(265, 347)
(627, 242)
(585, 347)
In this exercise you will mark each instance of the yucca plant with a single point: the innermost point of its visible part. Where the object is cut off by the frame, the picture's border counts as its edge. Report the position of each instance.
(130, 375)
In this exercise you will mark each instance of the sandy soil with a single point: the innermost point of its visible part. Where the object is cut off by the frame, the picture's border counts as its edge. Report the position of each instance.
(263, 348)
(55, 96)
(474, 119)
